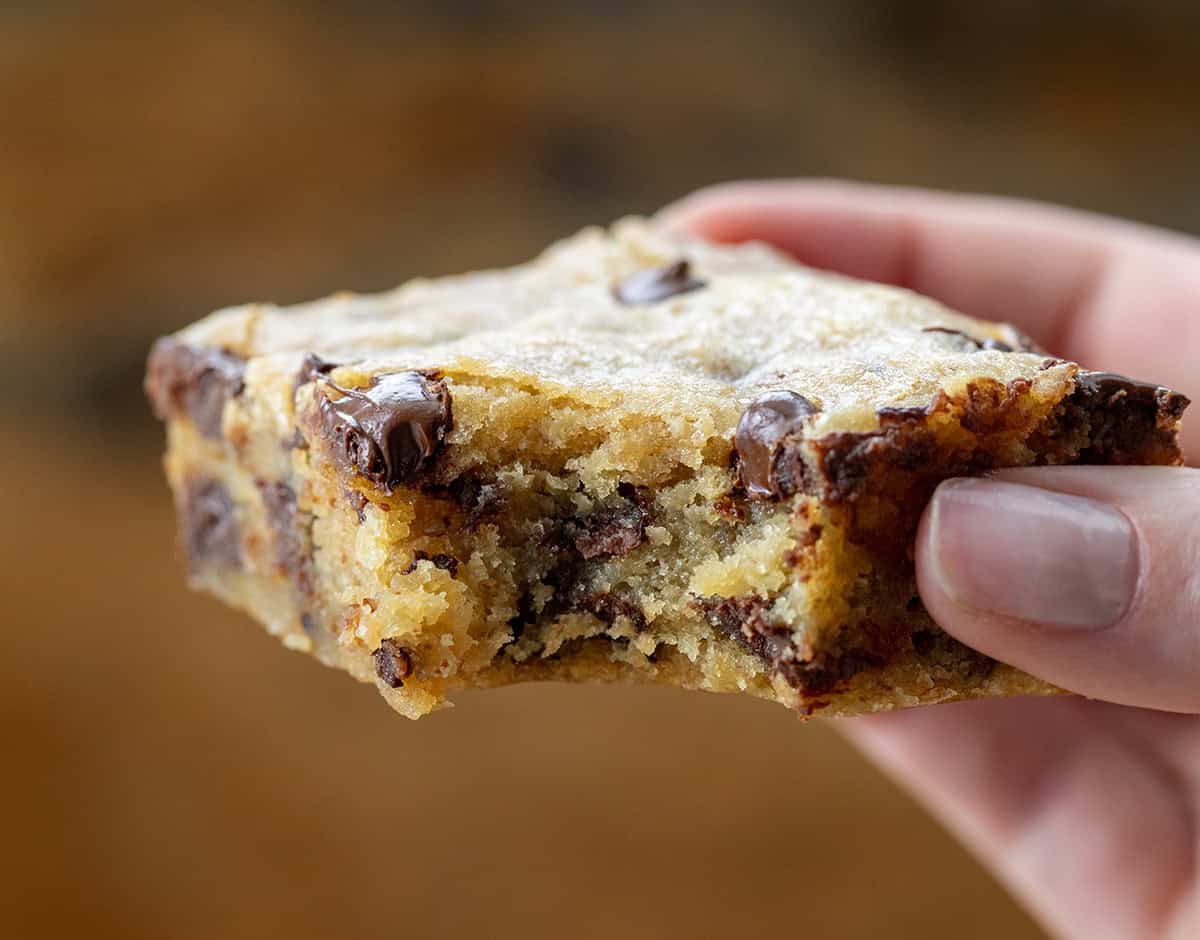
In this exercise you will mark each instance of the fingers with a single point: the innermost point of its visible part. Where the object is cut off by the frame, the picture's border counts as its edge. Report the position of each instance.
(1088, 577)
(1092, 834)
(1111, 294)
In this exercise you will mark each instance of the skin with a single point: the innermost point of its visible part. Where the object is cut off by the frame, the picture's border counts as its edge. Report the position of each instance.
(1084, 806)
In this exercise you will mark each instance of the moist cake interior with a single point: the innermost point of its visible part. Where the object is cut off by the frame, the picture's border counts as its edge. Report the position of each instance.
(778, 566)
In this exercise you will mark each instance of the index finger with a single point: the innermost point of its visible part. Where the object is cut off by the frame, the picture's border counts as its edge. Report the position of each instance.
(1113, 295)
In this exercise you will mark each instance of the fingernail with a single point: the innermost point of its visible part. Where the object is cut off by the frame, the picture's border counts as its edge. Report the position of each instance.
(1033, 554)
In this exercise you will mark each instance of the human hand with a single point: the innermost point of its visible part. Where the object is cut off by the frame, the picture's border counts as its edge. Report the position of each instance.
(1088, 577)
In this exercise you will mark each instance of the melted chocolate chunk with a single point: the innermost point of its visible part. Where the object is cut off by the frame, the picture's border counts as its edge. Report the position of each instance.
(292, 549)
(613, 531)
(893, 414)
(826, 673)
(608, 607)
(647, 287)
(766, 441)
(312, 368)
(189, 382)
(481, 501)
(391, 431)
(1023, 343)
(745, 620)
(1126, 419)
(573, 593)
(393, 663)
(209, 523)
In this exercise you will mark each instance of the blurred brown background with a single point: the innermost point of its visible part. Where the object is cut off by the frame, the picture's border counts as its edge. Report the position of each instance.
(167, 770)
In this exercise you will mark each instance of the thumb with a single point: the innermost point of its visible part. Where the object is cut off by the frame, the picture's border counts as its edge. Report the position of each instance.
(1087, 577)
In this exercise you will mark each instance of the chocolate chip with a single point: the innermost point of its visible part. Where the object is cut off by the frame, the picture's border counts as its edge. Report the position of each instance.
(745, 619)
(647, 287)
(393, 663)
(612, 531)
(290, 526)
(767, 439)
(574, 593)
(389, 432)
(607, 606)
(191, 382)
(443, 562)
(209, 522)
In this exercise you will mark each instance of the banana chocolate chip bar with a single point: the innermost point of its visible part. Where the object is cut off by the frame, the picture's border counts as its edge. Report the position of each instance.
(638, 458)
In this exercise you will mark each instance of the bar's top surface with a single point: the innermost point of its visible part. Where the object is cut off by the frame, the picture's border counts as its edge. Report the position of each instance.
(634, 316)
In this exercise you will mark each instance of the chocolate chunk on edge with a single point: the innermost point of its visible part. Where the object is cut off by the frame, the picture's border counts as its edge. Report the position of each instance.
(185, 381)
(655, 284)
(1127, 419)
(209, 529)
(769, 462)
(1111, 388)
(393, 663)
(389, 432)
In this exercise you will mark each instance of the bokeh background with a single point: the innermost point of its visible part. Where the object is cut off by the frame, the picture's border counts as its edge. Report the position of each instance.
(167, 770)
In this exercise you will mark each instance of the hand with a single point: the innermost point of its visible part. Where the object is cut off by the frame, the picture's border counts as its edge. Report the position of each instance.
(1088, 577)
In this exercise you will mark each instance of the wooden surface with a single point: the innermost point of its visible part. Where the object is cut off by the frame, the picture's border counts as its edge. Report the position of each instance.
(168, 770)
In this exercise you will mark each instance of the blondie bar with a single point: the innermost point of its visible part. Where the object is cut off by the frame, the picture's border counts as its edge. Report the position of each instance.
(639, 457)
